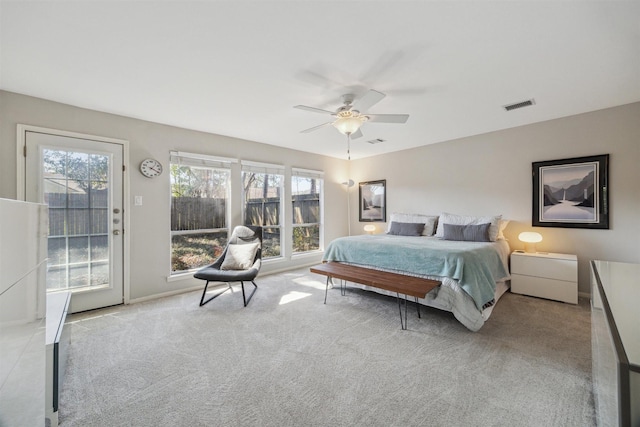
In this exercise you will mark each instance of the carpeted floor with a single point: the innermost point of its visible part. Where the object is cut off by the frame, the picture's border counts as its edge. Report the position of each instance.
(289, 360)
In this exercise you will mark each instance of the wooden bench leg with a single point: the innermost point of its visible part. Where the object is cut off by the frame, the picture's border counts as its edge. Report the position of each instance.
(418, 307)
(326, 288)
(403, 325)
(343, 287)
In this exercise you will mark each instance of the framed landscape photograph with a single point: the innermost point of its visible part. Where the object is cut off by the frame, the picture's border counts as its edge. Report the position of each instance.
(571, 193)
(373, 201)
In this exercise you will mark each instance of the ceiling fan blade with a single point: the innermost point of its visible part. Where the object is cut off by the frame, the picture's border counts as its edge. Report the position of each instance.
(388, 118)
(316, 127)
(313, 109)
(357, 134)
(369, 99)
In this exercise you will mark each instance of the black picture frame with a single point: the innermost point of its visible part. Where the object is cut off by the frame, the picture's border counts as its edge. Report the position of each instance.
(372, 201)
(571, 193)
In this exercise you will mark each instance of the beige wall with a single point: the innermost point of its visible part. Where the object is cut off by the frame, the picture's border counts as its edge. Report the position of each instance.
(149, 228)
(484, 174)
(491, 174)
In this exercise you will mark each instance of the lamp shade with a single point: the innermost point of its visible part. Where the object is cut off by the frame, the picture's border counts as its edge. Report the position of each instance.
(369, 228)
(348, 125)
(530, 238)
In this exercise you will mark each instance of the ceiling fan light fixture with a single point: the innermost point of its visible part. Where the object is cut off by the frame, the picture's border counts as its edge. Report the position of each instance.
(348, 117)
(348, 124)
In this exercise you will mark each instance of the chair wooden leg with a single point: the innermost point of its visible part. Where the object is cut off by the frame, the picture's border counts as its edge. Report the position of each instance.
(246, 301)
(203, 302)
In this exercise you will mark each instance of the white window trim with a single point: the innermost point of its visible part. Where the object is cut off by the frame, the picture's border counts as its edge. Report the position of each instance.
(270, 169)
(308, 173)
(257, 167)
(196, 156)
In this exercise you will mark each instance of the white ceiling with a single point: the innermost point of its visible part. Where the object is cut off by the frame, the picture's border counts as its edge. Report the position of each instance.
(237, 68)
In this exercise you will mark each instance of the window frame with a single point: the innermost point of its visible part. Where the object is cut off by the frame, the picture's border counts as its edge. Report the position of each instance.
(268, 169)
(313, 174)
(205, 162)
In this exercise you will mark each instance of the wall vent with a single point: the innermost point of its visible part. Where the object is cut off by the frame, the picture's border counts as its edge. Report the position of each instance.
(521, 104)
(375, 141)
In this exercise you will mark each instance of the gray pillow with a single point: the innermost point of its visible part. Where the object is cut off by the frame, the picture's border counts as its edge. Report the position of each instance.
(468, 233)
(405, 229)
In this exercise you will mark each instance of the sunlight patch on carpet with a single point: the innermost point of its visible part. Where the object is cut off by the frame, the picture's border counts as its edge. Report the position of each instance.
(293, 296)
(316, 284)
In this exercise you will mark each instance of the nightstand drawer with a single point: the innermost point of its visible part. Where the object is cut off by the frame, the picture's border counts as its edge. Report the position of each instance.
(558, 290)
(545, 267)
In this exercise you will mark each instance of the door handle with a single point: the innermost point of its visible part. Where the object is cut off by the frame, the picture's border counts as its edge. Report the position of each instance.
(116, 232)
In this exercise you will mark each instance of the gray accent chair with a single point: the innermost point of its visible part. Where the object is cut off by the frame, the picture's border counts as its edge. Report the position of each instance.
(213, 273)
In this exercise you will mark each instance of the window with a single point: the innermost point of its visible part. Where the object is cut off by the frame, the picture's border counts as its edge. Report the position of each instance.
(76, 187)
(199, 210)
(262, 197)
(306, 198)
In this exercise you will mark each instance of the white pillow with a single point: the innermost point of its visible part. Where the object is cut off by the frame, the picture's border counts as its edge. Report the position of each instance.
(429, 221)
(447, 218)
(239, 256)
(502, 224)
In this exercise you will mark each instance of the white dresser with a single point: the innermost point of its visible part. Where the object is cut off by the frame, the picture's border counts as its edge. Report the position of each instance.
(545, 275)
(615, 342)
(23, 266)
(57, 344)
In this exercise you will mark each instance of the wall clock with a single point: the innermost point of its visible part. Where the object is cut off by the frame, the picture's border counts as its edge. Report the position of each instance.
(150, 168)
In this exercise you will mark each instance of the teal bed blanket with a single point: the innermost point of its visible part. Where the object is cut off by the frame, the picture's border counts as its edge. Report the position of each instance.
(476, 266)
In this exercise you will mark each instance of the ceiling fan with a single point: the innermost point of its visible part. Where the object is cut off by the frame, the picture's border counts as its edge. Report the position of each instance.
(349, 117)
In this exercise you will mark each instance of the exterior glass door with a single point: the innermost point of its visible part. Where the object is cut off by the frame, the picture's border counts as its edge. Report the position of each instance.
(81, 182)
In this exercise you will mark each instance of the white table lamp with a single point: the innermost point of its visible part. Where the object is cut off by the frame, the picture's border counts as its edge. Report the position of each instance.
(530, 238)
(370, 228)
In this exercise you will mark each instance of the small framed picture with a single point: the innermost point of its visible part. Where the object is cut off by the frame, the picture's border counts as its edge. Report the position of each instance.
(373, 201)
(571, 193)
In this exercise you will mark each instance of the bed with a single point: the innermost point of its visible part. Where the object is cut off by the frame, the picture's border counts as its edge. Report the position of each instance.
(474, 274)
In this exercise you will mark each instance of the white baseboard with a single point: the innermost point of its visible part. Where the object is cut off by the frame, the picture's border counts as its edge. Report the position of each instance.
(199, 288)
(164, 294)
(586, 295)
(295, 267)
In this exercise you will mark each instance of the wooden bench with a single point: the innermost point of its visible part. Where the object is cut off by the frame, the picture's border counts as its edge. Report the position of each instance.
(399, 283)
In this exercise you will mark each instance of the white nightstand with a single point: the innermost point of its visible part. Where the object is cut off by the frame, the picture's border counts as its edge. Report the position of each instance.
(545, 275)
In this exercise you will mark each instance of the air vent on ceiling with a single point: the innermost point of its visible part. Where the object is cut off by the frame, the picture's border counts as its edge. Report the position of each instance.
(375, 141)
(521, 104)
